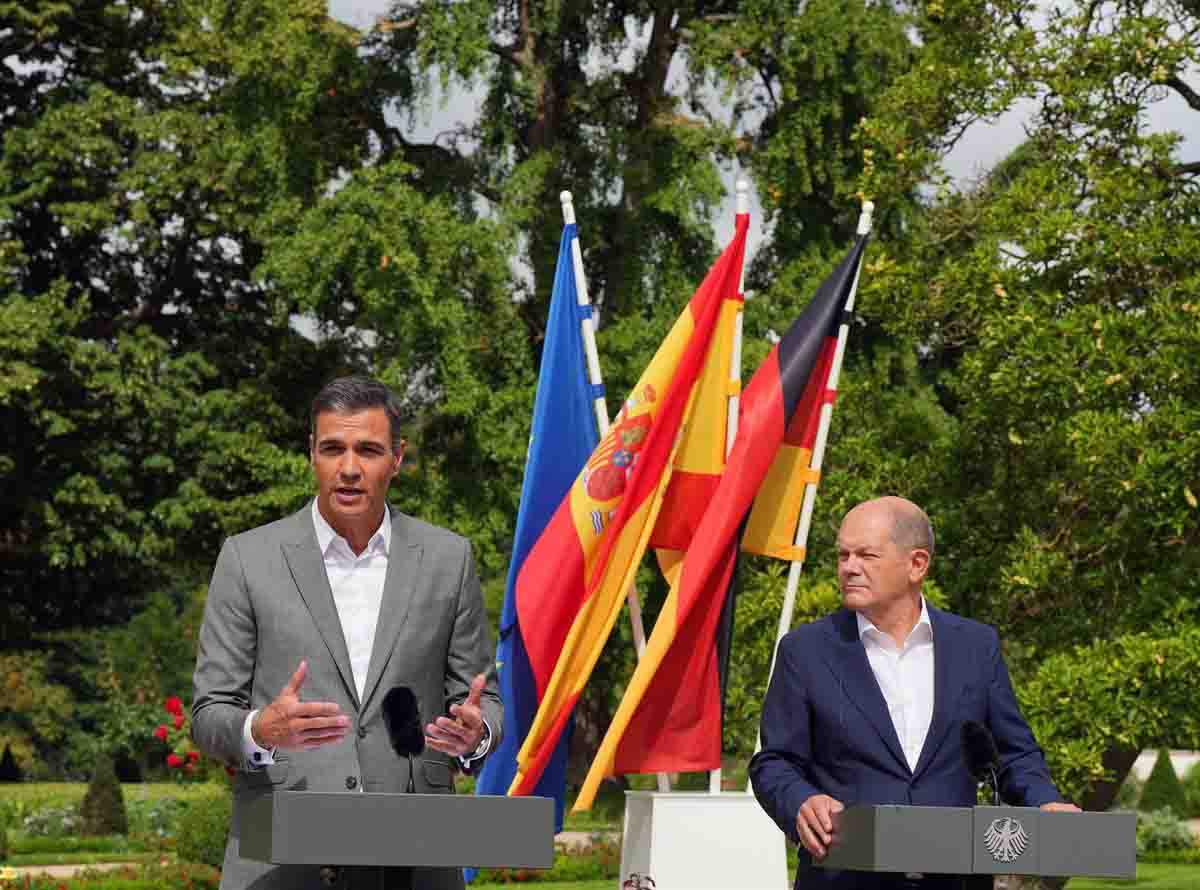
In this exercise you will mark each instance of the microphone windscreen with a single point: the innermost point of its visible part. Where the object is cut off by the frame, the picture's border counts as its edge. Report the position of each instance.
(402, 717)
(979, 750)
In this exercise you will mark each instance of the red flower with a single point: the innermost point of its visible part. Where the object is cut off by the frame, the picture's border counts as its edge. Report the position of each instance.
(174, 706)
(161, 733)
(193, 756)
(179, 721)
(174, 760)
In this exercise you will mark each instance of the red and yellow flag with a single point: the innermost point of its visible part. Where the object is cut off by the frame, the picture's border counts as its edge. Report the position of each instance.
(579, 570)
(670, 717)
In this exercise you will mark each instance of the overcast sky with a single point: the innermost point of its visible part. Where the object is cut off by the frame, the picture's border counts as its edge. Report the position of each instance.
(980, 148)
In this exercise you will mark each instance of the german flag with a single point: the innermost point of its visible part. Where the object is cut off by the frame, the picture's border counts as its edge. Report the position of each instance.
(670, 717)
(571, 586)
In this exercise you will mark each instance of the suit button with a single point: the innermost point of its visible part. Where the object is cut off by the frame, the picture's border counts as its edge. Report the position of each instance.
(362, 732)
(351, 782)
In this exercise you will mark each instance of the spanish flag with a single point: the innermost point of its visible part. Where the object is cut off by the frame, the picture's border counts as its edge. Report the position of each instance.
(571, 586)
(670, 717)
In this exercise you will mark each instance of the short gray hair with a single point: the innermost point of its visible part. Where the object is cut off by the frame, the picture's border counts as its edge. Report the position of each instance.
(911, 528)
(350, 395)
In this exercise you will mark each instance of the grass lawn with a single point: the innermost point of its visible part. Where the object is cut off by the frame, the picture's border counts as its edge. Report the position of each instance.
(1158, 877)
(605, 884)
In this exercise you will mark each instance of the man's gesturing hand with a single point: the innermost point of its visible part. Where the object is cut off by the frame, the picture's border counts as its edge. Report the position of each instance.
(814, 823)
(290, 724)
(460, 736)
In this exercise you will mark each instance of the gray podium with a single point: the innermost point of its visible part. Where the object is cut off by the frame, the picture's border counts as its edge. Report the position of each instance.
(395, 830)
(983, 840)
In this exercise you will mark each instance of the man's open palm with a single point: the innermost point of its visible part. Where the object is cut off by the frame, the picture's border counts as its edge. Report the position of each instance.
(289, 724)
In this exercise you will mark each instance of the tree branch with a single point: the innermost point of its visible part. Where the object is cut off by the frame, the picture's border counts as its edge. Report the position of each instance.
(1190, 96)
(1186, 169)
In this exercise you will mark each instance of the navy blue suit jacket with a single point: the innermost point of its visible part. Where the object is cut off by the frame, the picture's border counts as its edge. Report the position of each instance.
(826, 729)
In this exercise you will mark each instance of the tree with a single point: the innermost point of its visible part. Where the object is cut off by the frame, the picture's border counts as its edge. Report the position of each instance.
(1052, 306)
(102, 810)
(1163, 789)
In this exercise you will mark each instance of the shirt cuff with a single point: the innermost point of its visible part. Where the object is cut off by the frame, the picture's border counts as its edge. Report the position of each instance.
(481, 750)
(256, 757)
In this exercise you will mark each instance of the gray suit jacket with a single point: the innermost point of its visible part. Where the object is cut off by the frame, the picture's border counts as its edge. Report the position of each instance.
(269, 605)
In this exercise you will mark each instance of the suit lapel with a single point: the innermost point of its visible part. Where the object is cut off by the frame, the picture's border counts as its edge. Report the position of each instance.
(404, 563)
(307, 566)
(850, 665)
(946, 689)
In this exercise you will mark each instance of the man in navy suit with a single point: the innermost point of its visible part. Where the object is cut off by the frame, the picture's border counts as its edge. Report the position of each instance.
(866, 706)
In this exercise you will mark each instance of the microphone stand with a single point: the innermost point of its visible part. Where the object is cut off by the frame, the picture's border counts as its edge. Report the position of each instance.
(412, 786)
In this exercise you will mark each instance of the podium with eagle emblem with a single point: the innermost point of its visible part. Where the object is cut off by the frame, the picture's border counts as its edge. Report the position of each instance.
(983, 840)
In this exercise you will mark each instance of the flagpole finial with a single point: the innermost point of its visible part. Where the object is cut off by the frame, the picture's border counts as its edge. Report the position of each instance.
(568, 207)
(864, 218)
(742, 189)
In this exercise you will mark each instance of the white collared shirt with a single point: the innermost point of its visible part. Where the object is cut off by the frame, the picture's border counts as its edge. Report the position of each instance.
(357, 586)
(357, 583)
(905, 677)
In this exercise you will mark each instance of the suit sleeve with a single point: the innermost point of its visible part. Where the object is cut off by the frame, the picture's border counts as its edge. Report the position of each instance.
(1024, 776)
(225, 661)
(779, 773)
(471, 653)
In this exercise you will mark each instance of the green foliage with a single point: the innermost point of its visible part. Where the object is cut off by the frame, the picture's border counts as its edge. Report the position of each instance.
(204, 828)
(1163, 830)
(1163, 790)
(1125, 694)
(102, 810)
(599, 859)
(1128, 794)
(1191, 790)
(151, 876)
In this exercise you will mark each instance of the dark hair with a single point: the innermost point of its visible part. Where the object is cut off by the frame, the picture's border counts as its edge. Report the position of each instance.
(349, 395)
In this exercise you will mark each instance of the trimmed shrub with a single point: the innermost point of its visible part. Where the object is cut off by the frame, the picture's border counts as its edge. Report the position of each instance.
(103, 808)
(1162, 830)
(3, 843)
(9, 770)
(1163, 788)
(1191, 792)
(204, 828)
(1128, 794)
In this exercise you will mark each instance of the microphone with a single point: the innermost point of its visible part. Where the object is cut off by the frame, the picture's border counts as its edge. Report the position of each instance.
(402, 718)
(983, 759)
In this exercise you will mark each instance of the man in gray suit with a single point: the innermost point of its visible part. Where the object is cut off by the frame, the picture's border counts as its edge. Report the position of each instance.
(312, 619)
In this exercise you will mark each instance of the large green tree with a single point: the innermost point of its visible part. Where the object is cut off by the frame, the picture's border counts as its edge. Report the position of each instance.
(1053, 306)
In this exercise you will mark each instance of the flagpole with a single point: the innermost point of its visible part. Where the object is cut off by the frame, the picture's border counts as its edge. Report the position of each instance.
(742, 207)
(601, 409)
(818, 457)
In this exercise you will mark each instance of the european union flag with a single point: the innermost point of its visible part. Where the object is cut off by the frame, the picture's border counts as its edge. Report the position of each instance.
(563, 438)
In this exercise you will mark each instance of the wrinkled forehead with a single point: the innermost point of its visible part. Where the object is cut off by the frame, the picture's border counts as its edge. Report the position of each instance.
(867, 525)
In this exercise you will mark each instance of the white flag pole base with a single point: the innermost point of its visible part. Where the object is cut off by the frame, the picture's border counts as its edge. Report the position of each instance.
(700, 841)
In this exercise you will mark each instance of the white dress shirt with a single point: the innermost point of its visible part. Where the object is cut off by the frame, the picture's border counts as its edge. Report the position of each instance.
(905, 676)
(356, 582)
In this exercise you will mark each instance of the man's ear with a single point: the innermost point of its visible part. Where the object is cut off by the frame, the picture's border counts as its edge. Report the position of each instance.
(312, 451)
(398, 455)
(918, 565)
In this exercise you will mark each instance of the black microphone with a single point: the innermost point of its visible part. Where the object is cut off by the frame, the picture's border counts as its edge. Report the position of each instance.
(402, 718)
(983, 759)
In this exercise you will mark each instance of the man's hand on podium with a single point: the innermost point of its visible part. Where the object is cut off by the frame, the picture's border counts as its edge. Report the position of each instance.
(814, 823)
(290, 724)
(459, 734)
(1059, 806)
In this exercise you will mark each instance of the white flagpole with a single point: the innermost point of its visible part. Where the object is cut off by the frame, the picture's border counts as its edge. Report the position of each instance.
(742, 207)
(602, 423)
(818, 457)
